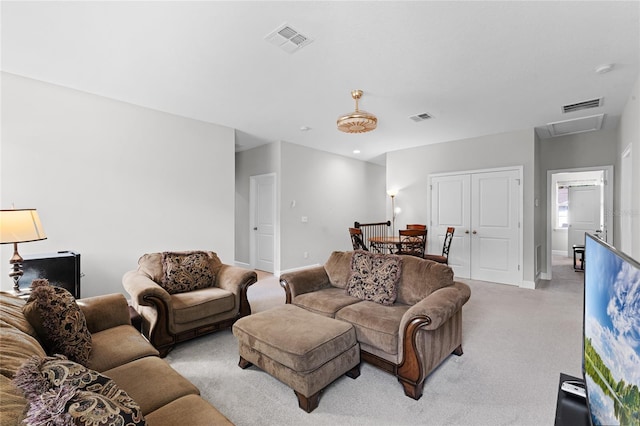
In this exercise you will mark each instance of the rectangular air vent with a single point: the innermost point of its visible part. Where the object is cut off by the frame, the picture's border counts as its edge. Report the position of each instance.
(287, 38)
(577, 125)
(420, 117)
(592, 103)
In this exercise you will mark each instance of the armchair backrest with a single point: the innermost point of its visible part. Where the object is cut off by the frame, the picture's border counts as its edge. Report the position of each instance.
(153, 265)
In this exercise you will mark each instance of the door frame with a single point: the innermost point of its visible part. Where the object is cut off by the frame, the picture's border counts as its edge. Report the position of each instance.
(520, 170)
(252, 216)
(608, 207)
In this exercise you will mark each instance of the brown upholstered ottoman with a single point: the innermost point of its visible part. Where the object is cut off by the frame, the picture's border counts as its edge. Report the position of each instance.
(301, 349)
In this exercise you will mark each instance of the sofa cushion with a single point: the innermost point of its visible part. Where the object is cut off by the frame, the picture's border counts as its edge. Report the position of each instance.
(186, 271)
(198, 304)
(161, 385)
(118, 345)
(61, 391)
(420, 278)
(11, 312)
(59, 322)
(374, 277)
(198, 412)
(16, 348)
(13, 402)
(376, 325)
(325, 302)
(338, 268)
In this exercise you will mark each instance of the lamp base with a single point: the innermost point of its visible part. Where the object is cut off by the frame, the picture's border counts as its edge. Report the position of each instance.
(16, 270)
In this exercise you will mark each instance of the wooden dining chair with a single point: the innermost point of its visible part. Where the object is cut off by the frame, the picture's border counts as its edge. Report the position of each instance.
(356, 239)
(417, 226)
(446, 245)
(412, 242)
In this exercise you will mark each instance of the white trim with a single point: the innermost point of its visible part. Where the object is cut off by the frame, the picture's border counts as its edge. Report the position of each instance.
(241, 264)
(608, 205)
(531, 285)
(560, 253)
(252, 215)
(298, 269)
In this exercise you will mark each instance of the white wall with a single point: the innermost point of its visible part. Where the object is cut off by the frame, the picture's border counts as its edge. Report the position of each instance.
(408, 171)
(332, 191)
(629, 134)
(111, 180)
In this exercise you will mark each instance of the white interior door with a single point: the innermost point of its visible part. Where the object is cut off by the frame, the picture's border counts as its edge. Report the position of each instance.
(495, 224)
(450, 207)
(263, 213)
(584, 215)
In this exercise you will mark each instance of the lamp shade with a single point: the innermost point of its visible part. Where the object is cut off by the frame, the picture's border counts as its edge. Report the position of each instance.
(20, 226)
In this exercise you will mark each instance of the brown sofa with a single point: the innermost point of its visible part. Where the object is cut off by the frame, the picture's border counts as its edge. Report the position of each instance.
(409, 338)
(118, 351)
(168, 319)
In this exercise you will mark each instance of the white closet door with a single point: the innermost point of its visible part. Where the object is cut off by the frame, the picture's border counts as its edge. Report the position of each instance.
(450, 207)
(495, 227)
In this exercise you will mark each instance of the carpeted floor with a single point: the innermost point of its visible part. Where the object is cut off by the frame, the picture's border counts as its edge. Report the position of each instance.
(516, 343)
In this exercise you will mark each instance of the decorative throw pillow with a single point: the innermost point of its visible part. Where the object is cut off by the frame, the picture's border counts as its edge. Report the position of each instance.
(186, 271)
(59, 321)
(61, 392)
(374, 277)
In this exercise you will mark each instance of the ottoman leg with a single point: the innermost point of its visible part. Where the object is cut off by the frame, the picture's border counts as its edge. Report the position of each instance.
(243, 363)
(308, 404)
(354, 373)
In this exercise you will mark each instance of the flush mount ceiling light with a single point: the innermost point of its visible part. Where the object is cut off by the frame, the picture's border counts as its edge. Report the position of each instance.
(357, 121)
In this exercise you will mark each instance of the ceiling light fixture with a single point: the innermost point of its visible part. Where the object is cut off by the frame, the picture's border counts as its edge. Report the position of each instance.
(357, 121)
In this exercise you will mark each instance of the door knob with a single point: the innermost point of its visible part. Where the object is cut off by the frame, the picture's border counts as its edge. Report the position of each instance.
(474, 232)
(255, 228)
(466, 232)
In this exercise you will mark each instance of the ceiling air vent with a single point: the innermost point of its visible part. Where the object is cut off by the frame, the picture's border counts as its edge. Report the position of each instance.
(420, 117)
(592, 103)
(577, 125)
(288, 39)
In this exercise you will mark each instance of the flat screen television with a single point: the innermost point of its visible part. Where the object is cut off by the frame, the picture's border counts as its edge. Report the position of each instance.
(611, 344)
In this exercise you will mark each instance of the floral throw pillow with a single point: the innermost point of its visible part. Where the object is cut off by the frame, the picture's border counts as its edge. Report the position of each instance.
(62, 392)
(186, 271)
(374, 277)
(59, 321)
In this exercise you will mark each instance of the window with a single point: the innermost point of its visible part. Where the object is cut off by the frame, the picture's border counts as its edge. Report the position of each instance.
(562, 203)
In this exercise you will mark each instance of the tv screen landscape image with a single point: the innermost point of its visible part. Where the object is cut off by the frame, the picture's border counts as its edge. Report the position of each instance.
(611, 356)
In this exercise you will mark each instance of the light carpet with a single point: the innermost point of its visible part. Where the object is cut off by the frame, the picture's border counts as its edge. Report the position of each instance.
(516, 342)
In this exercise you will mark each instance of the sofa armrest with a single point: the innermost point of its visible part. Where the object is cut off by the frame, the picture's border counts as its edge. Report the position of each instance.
(143, 289)
(304, 281)
(237, 280)
(104, 312)
(439, 306)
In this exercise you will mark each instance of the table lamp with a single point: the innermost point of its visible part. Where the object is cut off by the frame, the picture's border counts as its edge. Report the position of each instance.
(19, 226)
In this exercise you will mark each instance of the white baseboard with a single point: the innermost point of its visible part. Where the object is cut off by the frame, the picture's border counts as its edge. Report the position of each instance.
(242, 264)
(545, 276)
(560, 253)
(297, 269)
(528, 284)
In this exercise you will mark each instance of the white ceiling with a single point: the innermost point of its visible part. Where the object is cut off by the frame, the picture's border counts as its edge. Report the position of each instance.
(478, 68)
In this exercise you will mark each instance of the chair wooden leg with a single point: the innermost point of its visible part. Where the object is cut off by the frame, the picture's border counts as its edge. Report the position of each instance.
(354, 373)
(243, 363)
(308, 404)
(458, 351)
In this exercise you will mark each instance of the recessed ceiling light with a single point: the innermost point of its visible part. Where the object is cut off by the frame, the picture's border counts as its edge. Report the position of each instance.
(356, 151)
(305, 129)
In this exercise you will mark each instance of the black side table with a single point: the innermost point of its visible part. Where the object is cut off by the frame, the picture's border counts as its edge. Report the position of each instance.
(571, 410)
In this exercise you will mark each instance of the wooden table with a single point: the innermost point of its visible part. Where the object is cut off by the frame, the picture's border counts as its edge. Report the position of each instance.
(380, 244)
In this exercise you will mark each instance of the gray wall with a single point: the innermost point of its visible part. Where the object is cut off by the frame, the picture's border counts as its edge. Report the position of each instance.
(112, 180)
(257, 161)
(332, 191)
(408, 171)
(590, 149)
(629, 134)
